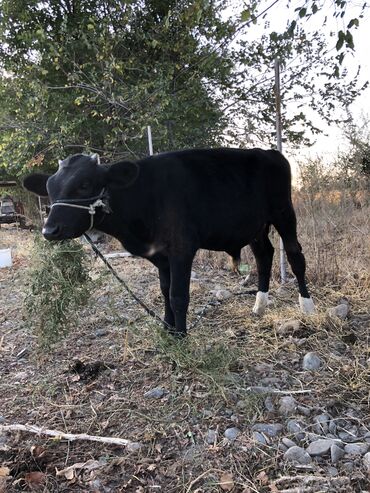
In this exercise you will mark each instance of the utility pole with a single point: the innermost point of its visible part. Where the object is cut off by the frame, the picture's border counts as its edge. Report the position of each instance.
(283, 275)
(150, 142)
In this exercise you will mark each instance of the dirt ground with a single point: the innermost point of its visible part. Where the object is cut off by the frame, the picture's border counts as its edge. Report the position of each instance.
(233, 371)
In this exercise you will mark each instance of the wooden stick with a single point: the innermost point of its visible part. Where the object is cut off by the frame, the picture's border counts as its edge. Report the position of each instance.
(131, 446)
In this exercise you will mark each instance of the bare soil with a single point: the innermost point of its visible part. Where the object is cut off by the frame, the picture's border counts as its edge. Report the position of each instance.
(94, 382)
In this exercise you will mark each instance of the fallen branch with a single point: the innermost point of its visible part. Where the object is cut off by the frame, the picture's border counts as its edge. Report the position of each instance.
(271, 390)
(131, 446)
(311, 484)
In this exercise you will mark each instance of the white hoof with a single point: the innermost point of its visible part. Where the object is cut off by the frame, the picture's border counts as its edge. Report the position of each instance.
(261, 303)
(306, 305)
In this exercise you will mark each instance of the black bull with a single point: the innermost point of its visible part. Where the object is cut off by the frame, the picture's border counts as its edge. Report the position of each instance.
(165, 207)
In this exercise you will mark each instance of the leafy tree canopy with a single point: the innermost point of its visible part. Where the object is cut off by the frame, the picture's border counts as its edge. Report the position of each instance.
(85, 75)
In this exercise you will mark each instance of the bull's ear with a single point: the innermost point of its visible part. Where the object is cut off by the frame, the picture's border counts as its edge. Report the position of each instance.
(123, 174)
(36, 183)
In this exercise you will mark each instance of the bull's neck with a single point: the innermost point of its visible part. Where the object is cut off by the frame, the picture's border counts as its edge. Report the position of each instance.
(129, 228)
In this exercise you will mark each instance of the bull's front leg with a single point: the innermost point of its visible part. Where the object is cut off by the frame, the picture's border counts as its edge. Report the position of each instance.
(165, 283)
(180, 268)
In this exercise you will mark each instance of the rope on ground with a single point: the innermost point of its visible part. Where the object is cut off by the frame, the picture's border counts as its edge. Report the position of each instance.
(148, 310)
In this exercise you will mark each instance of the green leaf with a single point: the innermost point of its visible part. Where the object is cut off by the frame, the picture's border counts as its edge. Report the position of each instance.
(341, 38)
(302, 12)
(349, 40)
(292, 27)
(353, 22)
(246, 15)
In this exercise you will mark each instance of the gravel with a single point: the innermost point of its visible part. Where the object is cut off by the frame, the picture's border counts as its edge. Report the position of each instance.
(296, 428)
(322, 424)
(156, 393)
(356, 449)
(311, 362)
(366, 462)
(289, 327)
(297, 455)
(336, 453)
(287, 405)
(101, 332)
(319, 447)
(271, 430)
(339, 311)
(211, 437)
(232, 433)
(258, 437)
(269, 405)
(288, 442)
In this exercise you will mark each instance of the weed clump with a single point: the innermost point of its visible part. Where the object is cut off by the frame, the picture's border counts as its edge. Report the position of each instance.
(58, 285)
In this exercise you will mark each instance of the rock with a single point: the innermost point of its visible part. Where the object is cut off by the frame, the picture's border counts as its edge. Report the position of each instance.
(311, 362)
(269, 381)
(349, 434)
(223, 294)
(347, 467)
(258, 437)
(134, 446)
(288, 443)
(289, 327)
(101, 332)
(332, 471)
(2, 419)
(194, 276)
(336, 453)
(282, 447)
(366, 436)
(306, 411)
(356, 449)
(3, 440)
(313, 437)
(366, 462)
(287, 405)
(296, 428)
(339, 311)
(322, 424)
(332, 427)
(269, 405)
(297, 455)
(155, 393)
(232, 433)
(319, 447)
(271, 430)
(211, 437)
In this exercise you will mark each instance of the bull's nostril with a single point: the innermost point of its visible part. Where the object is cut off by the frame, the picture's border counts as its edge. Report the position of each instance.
(51, 232)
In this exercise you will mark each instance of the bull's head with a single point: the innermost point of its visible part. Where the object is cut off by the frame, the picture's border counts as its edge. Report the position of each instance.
(78, 192)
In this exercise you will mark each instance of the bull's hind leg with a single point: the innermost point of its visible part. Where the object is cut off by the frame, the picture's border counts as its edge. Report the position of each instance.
(263, 252)
(286, 225)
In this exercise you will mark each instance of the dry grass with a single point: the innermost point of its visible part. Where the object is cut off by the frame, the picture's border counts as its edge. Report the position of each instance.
(208, 377)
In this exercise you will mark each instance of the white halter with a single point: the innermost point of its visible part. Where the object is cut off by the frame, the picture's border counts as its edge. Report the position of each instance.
(99, 202)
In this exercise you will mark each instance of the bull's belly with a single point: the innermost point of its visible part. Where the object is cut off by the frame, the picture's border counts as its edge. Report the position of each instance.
(226, 244)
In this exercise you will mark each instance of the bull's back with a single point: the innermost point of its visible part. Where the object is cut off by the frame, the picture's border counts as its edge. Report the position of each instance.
(223, 196)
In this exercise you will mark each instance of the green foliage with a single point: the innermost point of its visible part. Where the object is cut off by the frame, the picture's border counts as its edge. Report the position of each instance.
(91, 75)
(59, 284)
